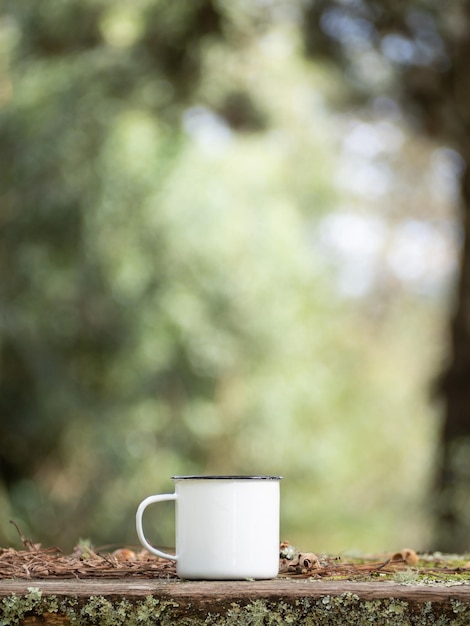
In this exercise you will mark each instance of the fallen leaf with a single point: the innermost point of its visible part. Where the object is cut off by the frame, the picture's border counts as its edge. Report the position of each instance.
(407, 555)
(123, 554)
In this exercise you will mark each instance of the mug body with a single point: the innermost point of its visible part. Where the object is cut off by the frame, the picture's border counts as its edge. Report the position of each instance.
(227, 527)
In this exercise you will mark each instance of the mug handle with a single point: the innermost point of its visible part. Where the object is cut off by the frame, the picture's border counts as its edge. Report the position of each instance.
(138, 520)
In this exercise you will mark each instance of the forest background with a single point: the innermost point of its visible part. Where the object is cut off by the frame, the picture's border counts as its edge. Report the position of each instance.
(231, 243)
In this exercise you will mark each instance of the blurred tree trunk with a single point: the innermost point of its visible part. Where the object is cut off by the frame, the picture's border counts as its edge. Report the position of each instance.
(453, 473)
(436, 95)
(452, 532)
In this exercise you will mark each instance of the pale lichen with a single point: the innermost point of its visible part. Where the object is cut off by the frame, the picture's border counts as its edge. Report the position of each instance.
(347, 608)
(96, 610)
(14, 608)
(406, 577)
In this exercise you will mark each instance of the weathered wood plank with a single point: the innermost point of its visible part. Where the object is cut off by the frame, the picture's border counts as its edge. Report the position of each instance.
(211, 591)
(226, 603)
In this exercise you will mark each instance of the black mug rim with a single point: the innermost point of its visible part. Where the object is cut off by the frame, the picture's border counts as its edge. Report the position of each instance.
(222, 477)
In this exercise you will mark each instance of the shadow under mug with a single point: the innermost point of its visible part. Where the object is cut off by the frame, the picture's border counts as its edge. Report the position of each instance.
(227, 527)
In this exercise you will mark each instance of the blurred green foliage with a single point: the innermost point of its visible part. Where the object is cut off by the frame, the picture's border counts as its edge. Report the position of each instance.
(165, 306)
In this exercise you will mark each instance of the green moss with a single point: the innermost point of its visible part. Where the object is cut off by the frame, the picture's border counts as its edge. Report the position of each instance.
(431, 569)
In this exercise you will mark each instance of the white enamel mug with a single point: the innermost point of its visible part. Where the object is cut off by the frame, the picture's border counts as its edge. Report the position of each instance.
(227, 527)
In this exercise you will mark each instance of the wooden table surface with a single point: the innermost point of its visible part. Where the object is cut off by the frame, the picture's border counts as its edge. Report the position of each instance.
(210, 591)
(58, 602)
